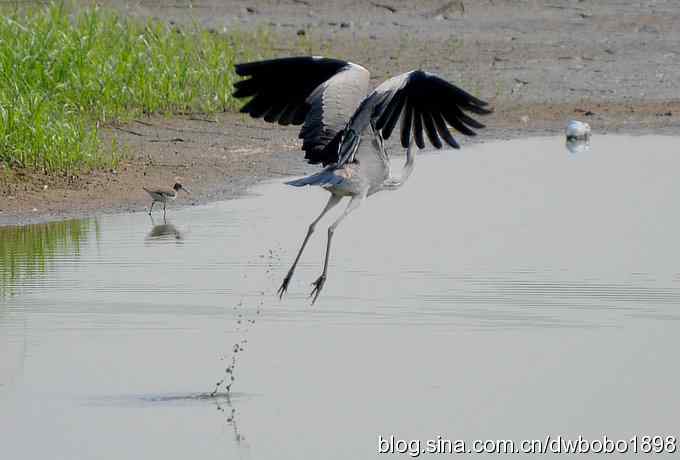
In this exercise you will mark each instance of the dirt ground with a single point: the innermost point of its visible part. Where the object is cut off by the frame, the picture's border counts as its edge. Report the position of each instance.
(611, 63)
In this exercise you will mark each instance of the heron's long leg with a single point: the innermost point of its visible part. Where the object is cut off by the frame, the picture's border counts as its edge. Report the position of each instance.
(354, 203)
(332, 201)
(151, 209)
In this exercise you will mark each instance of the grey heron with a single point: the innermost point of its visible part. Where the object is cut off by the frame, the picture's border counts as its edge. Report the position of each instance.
(163, 195)
(344, 126)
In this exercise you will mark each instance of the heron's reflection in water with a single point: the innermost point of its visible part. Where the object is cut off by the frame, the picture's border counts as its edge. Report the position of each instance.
(164, 231)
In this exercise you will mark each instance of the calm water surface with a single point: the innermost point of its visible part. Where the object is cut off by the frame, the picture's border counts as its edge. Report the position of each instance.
(510, 290)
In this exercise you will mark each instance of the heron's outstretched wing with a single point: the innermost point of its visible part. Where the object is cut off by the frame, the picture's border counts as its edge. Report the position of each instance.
(322, 93)
(424, 102)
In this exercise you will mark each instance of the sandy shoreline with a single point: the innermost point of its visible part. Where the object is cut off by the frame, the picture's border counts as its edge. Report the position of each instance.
(538, 63)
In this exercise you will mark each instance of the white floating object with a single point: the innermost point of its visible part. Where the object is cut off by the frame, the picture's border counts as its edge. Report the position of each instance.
(577, 130)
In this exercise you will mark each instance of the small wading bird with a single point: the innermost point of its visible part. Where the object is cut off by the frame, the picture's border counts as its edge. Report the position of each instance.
(343, 128)
(162, 195)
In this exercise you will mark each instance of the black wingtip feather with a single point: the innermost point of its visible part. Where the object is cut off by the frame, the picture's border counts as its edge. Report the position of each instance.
(251, 68)
(300, 114)
(470, 121)
(393, 108)
(418, 129)
(431, 130)
(287, 115)
(274, 113)
(247, 88)
(315, 154)
(477, 110)
(392, 114)
(443, 130)
(406, 125)
(431, 102)
(240, 70)
(452, 118)
(256, 107)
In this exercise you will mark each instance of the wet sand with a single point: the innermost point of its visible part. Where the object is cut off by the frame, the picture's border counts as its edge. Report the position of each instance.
(538, 63)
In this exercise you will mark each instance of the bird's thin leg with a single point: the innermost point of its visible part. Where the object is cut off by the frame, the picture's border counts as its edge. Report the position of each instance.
(354, 203)
(332, 201)
(164, 210)
(151, 208)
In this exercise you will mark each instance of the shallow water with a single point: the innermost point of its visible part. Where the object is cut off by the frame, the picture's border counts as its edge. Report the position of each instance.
(510, 290)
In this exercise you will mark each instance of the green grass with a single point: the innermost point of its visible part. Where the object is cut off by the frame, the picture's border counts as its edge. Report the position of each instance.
(65, 73)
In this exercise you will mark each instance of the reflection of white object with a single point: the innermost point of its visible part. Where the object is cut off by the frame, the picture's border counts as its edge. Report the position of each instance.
(577, 130)
(575, 145)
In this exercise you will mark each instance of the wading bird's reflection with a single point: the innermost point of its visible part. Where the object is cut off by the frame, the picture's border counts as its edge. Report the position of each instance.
(164, 231)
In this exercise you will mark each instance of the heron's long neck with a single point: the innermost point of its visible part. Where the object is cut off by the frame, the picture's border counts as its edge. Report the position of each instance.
(394, 183)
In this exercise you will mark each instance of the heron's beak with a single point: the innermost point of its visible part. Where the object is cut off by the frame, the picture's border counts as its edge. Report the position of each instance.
(186, 190)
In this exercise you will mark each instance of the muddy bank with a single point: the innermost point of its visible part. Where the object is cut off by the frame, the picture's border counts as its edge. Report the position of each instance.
(218, 157)
(539, 64)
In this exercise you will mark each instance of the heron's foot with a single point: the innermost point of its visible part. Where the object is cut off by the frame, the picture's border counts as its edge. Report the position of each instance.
(318, 286)
(284, 286)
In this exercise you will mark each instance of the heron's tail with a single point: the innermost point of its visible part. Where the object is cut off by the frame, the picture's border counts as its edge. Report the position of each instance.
(325, 177)
(299, 182)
